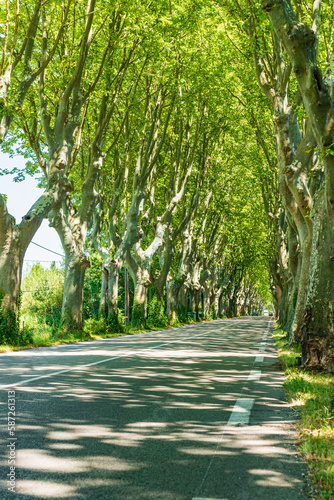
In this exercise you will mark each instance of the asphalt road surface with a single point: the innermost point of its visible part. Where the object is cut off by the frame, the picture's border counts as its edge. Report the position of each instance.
(196, 412)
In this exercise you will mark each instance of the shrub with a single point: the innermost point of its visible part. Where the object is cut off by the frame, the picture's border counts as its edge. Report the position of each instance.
(182, 313)
(9, 325)
(43, 294)
(93, 327)
(138, 318)
(115, 321)
(156, 313)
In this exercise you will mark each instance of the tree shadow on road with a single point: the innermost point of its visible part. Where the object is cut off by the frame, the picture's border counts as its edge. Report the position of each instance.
(153, 426)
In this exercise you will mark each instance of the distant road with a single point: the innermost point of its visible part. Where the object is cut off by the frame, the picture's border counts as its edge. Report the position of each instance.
(195, 412)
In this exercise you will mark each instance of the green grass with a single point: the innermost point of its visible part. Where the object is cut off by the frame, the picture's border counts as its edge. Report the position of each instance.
(311, 395)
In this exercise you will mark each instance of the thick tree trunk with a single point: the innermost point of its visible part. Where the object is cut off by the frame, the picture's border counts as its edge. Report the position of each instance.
(109, 286)
(14, 241)
(219, 297)
(141, 284)
(113, 285)
(318, 321)
(104, 290)
(300, 42)
(206, 301)
(172, 289)
(73, 290)
(183, 298)
(72, 231)
(302, 289)
(11, 262)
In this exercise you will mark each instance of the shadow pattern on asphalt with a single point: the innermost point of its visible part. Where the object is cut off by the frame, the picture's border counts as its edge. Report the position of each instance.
(153, 425)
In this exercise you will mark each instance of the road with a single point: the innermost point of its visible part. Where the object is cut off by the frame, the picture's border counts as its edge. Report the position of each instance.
(196, 412)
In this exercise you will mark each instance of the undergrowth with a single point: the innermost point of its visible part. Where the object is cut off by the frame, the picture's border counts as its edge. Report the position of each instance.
(311, 394)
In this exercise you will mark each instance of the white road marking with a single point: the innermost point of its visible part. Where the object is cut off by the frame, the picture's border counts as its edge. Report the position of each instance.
(241, 412)
(254, 375)
(262, 349)
(202, 498)
(132, 353)
(259, 359)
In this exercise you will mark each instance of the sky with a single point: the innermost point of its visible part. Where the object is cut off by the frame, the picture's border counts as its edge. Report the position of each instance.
(20, 197)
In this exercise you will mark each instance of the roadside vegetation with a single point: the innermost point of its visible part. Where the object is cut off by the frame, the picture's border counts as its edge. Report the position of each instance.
(311, 394)
(41, 321)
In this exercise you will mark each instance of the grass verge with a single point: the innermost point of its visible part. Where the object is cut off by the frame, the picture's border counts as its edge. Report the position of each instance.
(311, 394)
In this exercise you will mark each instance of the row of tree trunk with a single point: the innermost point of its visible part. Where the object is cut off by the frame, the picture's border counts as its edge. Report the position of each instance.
(303, 229)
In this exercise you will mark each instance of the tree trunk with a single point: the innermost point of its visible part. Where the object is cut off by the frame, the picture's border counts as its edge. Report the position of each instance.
(302, 289)
(113, 285)
(104, 290)
(318, 321)
(73, 290)
(206, 301)
(72, 231)
(172, 289)
(183, 299)
(14, 241)
(109, 286)
(11, 262)
(141, 284)
(300, 41)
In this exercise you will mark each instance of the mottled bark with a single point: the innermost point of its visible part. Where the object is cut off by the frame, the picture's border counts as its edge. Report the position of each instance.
(172, 290)
(300, 42)
(318, 321)
(73, 290)
(72, 235)
(294, 154)
(14, 241)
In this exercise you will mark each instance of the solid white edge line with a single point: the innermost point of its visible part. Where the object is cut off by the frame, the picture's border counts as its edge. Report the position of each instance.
(23, 382)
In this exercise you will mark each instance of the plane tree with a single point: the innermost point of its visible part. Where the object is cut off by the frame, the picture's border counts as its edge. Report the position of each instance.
(310, 60)
(295, 143)
(73, 217)
(59, 133)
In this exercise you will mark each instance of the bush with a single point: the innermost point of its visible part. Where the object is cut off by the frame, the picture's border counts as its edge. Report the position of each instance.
(138, 318)
(10, 325)
(92, 288)
(115, 322)
(95, 327)
(182, 314)
(156, 313)
(43, 294)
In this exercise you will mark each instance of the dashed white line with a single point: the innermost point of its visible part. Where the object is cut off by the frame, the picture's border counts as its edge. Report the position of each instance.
(259, 359)
(254, 375)
(241, 412)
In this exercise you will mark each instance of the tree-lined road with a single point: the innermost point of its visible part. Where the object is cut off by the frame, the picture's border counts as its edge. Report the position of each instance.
(192, 412)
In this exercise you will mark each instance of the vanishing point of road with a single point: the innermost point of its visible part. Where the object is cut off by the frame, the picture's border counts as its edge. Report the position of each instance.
(196, 412)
